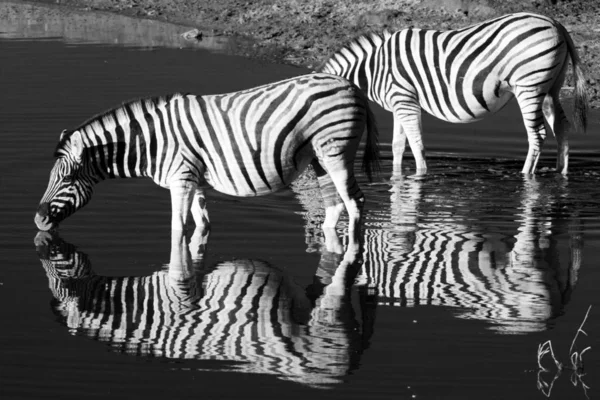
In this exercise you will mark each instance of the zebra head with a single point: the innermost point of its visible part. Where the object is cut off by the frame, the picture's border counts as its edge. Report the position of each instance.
(71, 182)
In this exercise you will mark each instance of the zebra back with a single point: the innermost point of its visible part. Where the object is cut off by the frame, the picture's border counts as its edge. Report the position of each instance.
(244, 143)
(461, 75)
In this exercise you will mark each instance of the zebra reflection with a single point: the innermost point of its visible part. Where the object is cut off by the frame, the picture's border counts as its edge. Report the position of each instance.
(437, 245)
(247, 313)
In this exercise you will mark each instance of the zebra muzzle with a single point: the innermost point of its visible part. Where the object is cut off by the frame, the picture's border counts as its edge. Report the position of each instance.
(42, 219)
(43, 223)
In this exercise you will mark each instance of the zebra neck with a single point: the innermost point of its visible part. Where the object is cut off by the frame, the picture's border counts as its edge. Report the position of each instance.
(361, 72)
(115, 144)
(115, 160)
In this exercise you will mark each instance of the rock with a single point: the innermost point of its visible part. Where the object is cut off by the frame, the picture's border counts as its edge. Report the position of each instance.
(193, 35)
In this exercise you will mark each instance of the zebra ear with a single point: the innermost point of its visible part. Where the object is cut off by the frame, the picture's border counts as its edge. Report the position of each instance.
(76, 145)
(63, 133)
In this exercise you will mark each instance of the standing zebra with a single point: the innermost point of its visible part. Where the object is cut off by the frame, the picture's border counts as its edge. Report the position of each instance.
(246, 143)
(464, 75)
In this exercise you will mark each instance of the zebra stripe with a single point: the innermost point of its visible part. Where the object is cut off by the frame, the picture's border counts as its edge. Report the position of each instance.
(245, 143)
(464, 75)
(243, 311)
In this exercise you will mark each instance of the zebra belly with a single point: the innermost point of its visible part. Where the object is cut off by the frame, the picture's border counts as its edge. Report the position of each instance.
(250, 181)
(472, 110)
(496, 104)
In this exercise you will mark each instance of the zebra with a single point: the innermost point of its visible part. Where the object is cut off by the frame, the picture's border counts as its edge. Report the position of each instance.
(464, 75)
(247, 143)
(245, 312)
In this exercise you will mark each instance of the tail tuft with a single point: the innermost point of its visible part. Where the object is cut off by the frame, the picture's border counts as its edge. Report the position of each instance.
(581, 94)
(581, 99)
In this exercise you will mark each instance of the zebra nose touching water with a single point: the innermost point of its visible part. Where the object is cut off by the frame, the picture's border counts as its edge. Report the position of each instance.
(467, 74)
(246, 143)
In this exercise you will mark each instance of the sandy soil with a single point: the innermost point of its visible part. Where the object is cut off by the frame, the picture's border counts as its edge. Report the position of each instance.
(305, 32)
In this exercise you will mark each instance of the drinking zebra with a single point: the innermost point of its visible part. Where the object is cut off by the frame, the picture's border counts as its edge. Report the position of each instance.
(466, 74)
(246, 143)
(247, 313)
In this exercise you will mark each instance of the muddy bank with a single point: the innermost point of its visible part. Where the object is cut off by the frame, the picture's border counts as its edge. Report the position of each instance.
(305, 32)
(39, 21)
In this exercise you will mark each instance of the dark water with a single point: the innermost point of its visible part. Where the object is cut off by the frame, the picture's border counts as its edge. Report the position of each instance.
(465, 271)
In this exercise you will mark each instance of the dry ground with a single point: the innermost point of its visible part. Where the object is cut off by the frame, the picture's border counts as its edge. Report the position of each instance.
(305, 32)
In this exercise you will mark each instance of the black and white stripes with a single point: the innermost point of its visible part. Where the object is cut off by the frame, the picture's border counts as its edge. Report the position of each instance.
(429, 254)
(246, 143)
(247, 313)
(463, 75)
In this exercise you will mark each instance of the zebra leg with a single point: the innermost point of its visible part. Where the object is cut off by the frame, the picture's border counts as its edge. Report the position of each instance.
(331, 199)
(182, 194)
(199, 238)
(354, 200)
(411, 125)
(398, 145)
(557, 121)
(199, 211)
(530, 102)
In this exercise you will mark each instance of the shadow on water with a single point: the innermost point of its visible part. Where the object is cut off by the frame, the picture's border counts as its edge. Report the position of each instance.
(35, 21)
(447, 241)
(242, 315)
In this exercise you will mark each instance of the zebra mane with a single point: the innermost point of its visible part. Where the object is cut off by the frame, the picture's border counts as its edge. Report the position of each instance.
(106, 120)
(359, 43)
(367, 40)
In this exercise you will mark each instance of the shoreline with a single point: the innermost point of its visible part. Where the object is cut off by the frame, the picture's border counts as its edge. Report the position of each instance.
(306, 32)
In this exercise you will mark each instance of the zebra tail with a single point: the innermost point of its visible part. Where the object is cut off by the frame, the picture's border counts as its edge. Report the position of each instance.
(581, 94)
(371, 158)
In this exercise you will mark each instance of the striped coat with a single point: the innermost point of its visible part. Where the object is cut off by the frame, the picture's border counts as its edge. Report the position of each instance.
(246, 143)
(466, 74)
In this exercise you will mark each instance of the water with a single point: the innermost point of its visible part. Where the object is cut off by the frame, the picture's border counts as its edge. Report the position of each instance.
(465, 271)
